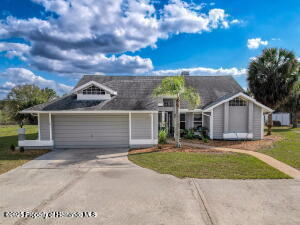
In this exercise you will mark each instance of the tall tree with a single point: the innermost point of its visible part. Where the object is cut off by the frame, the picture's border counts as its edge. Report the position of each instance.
(292, 104)
(25, 96)
(271, 77)
(175, 87)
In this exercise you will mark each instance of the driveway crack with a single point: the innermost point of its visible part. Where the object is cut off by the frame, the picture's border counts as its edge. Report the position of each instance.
(203, 204)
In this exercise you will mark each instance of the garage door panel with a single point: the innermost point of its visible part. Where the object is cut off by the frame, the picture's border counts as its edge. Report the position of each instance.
(90, 131)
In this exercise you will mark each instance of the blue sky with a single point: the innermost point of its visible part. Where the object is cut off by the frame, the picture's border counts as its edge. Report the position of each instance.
(53, 43)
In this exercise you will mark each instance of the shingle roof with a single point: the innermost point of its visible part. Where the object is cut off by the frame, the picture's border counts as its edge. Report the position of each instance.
(135, 93)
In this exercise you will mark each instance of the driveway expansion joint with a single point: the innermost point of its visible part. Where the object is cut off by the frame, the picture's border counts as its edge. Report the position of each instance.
(203, 203)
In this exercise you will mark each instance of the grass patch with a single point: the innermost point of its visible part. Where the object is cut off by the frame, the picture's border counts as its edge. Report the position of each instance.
(288, 149)
(206, 165)
(9, 135)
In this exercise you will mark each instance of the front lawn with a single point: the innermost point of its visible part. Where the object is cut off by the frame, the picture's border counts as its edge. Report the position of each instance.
(286, 150)
(206, 164)
(8, 136)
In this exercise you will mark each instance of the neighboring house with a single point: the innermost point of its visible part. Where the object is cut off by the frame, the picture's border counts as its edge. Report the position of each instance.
(120, 111)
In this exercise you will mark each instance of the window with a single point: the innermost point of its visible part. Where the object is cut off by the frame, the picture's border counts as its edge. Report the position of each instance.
(197, 120)
(237, 102)
(168, 102)
(93, 90)
(182, 121)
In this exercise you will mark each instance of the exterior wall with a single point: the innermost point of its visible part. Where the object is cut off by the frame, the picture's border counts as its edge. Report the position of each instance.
(141, 126)
(44, 127)
(189, 120)
(231, 119)
(238, 119)
(218, 122)
(141, 136)
(257, 123)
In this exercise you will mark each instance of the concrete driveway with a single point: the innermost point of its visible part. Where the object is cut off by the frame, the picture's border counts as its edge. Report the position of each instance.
(104, 181)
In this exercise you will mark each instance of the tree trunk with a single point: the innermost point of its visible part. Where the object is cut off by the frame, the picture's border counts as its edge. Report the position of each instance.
(177, 123)
(270, 124)
(294, 119)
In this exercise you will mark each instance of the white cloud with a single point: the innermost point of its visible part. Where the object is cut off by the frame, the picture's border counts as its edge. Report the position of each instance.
(21, 76)
(14, 49)
(202, 71)
(255, 43)
(90, 35)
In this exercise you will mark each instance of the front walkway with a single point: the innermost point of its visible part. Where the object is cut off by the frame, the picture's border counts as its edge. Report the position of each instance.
(292, 172)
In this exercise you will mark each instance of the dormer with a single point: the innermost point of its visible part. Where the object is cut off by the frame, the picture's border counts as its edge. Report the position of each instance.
(94, 91)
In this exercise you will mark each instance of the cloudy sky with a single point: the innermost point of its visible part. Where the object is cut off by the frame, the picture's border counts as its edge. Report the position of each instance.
(52, 43)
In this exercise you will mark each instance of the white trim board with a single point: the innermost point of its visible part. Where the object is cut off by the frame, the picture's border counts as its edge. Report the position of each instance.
(35, 143)
(93, 97)
(240, 94)
(88, 112)
(143, 141)
(237, 136)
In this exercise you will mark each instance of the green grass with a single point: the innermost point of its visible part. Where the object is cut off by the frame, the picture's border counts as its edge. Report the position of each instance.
(8, 136)
(206, 165)
(288, 149)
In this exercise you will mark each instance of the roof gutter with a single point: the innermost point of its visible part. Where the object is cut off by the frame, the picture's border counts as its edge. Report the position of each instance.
(88, 112)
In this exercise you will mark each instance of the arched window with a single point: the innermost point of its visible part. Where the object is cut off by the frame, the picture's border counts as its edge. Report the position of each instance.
(93, 90)
(237, 102)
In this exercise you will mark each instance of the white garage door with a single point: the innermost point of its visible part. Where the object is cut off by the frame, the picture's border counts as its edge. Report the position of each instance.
(90, 131)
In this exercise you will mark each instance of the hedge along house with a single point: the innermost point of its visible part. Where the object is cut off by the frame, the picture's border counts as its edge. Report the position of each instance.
(120, 111)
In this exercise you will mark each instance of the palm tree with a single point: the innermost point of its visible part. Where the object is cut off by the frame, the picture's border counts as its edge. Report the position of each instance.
(271, 77)
(175, 87)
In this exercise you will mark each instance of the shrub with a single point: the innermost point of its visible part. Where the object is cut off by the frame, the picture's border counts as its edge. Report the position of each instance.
(190, 134)
(12, 147)
(22, 149)
(276, 123)
(162, 136)
(205, 139)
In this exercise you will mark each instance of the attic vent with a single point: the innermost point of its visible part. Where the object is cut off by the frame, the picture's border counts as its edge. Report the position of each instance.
(185, 73)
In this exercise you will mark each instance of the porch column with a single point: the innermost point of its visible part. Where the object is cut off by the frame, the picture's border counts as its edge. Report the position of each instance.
(211, 125)
(152, 127)
(39, 127)
(129, 128)
(226, 117)
(250, 117)
(50, 126)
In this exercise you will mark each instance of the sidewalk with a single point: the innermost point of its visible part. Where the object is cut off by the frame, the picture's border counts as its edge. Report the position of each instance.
(292, 172)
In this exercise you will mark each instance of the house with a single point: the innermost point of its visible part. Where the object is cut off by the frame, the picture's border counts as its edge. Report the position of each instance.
(120, 111)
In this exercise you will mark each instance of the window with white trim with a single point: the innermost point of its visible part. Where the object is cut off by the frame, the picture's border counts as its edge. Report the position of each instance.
(197, 120)
(237, 102)
(182, 120)
(93, 90)
(168, 102)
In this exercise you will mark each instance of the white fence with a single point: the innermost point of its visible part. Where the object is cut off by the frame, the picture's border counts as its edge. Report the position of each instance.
(284, 118)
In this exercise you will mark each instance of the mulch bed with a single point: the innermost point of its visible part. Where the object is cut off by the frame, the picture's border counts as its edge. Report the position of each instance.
(30, 151)
(267, 142)
(171, 148)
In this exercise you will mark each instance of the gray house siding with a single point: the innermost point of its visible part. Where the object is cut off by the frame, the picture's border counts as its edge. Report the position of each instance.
(90, 131)
(257, 122)
(218, 122)
(238, 119)
(140, 126)
(44, 127)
